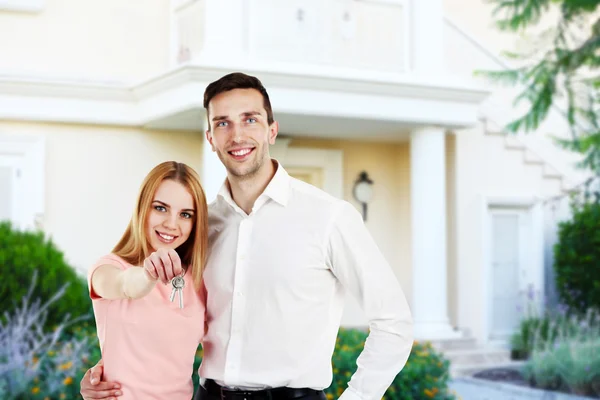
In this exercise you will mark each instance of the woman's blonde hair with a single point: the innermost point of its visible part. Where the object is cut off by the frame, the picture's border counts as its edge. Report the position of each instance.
(134, 246)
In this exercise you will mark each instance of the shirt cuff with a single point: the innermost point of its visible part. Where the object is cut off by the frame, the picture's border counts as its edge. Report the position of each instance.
(350, 394)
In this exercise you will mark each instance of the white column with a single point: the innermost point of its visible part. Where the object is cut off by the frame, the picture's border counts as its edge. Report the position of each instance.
(213, 171)
(428, 208)
(427, 35)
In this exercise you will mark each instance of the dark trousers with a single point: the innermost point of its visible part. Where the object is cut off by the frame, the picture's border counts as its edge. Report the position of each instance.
(275, 394)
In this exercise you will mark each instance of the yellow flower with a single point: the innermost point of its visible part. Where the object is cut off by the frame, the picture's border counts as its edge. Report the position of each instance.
(68, 380)
(329, 396)
(63, 396)
(51, 353)
(35, 390)
(65, 366)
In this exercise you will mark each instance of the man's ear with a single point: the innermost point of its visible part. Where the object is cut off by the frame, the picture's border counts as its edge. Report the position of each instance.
(273, 131)
(210, 139)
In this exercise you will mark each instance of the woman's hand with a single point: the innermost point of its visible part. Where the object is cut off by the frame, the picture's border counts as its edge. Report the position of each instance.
(163, 264)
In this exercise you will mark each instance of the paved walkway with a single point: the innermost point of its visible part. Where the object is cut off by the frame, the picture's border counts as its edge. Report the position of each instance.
(478, 389)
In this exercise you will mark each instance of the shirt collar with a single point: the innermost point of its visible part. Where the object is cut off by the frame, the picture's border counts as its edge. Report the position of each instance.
(278, 188)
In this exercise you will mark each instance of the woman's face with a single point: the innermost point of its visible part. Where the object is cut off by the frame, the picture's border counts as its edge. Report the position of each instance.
(171, 218)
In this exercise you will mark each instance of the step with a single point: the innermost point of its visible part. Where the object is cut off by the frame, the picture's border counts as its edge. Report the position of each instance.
(452, 344)
(551, 172)
(532, 158)
(463, 370)
(511, 142)
(477, 355)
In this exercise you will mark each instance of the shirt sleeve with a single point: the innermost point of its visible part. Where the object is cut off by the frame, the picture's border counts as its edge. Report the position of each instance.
(109, 259)
(362, 269)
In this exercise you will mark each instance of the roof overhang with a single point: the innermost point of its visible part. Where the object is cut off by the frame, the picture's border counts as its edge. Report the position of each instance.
(307, 100)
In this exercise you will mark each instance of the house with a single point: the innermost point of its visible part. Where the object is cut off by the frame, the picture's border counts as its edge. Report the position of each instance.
(94, 94)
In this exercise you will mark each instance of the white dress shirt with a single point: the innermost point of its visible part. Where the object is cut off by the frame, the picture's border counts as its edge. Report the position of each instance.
(276, 281)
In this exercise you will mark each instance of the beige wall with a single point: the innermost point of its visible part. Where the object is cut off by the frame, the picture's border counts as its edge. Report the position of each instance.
(106, 40)
(92, 178)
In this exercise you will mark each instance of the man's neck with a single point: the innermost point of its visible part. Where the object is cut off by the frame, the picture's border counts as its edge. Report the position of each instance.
(245, 191)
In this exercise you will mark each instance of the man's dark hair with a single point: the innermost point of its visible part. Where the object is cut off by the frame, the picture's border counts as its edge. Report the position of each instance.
(238, 80)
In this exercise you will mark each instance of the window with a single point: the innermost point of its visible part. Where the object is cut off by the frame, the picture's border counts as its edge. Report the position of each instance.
(22, 180)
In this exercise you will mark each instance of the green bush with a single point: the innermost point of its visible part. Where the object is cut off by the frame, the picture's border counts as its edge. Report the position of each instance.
(577, 258)
(425, 375)
(22, 253)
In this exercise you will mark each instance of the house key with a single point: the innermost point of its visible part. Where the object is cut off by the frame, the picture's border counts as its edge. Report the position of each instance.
(178, 284)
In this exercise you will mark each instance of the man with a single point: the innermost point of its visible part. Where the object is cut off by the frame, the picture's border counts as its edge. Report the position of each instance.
(282, 255)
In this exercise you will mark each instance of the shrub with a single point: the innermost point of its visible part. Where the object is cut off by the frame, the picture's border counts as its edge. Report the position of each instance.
(577, 258)
(35, 363)
(570, 360)
(21, 254)
(539, 331)
(425, 375)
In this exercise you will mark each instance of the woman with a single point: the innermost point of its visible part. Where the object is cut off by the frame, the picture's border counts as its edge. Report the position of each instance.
(148, 342)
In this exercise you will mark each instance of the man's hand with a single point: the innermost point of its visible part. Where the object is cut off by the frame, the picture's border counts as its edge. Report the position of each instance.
(92, 387)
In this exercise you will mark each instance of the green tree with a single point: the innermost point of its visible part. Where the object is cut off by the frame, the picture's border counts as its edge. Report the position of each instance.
(560, 68)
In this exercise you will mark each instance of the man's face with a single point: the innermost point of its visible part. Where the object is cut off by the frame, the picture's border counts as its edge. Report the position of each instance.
(239, 131)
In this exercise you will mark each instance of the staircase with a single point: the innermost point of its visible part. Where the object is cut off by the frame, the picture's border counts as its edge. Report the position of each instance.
(467, 358)
(530, 157)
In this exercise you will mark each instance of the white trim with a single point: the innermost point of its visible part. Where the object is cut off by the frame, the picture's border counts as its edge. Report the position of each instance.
(408, 24)
(31, 6)
(534, 257)
(31, 149)
(324, 78)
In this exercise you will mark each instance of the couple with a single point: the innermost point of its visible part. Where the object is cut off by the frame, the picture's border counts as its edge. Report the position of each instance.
(265, 269)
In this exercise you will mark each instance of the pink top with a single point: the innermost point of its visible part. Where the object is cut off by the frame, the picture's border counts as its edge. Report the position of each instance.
(148, 345)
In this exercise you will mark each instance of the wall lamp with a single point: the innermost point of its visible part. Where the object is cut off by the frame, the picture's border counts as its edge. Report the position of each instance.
(363, 191)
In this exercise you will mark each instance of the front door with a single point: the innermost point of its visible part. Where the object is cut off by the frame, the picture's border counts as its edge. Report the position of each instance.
(510, 231)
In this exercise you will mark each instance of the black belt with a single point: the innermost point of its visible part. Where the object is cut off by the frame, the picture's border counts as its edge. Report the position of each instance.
(280, 393)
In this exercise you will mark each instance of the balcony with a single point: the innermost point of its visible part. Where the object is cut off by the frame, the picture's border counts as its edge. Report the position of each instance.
(333, 33)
